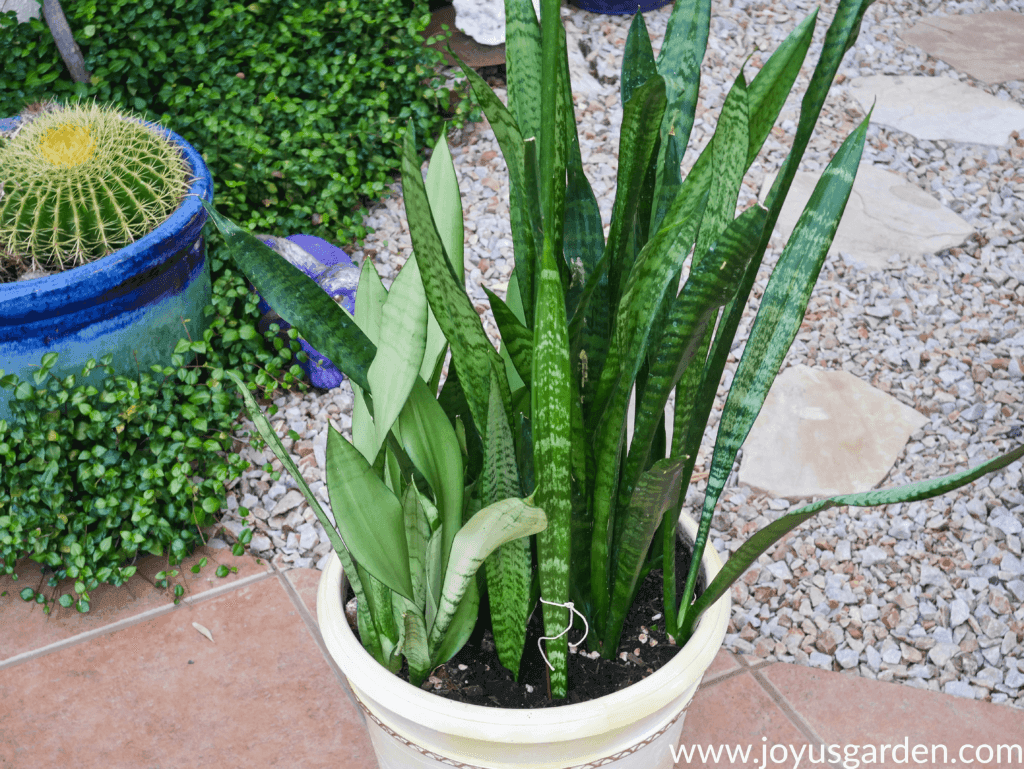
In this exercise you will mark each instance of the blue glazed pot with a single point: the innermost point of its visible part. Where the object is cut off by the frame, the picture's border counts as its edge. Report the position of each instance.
(327, 258)
(620, 6)
(134, 304)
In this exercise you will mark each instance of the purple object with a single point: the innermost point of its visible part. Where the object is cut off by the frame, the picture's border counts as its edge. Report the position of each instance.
(334, 270)
(620, 6)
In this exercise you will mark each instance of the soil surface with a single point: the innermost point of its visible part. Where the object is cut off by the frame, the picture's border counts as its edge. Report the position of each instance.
(476, 677)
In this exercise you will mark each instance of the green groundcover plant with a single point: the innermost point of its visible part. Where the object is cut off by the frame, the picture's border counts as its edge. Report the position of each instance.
(531, 440)
(94, 476)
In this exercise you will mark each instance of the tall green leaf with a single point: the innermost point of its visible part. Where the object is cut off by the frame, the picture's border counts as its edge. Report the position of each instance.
(400, 350)
(750, 550)
(508, 568)
(298, 300)
(448, 299)
(777, 322)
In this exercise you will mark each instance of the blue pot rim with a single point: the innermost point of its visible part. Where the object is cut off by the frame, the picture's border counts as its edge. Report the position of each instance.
(88, 282)
(620, 7)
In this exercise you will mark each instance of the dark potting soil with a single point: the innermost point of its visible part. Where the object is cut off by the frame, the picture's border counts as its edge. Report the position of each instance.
(476, 677)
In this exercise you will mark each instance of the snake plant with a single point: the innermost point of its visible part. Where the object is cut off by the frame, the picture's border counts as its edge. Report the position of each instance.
(542, 424)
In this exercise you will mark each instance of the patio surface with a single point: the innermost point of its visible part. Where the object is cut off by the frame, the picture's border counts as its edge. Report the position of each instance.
(134, 684)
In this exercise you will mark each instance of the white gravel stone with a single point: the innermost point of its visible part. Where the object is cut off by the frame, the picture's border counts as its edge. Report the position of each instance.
(847, 658)
(960, 689)
(959, 612)
(942, 653)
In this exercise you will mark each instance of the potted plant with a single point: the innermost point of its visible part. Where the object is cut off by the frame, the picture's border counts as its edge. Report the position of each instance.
(523, 453)
(101, 247)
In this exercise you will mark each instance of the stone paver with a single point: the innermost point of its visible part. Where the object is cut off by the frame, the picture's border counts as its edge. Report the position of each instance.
(988, 46)
(484, 20)
(474, 54)
(818, 434)
(938, 108)
(886, 215)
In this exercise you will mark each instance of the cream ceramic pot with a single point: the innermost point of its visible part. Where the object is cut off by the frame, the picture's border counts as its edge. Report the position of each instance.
(635, 728)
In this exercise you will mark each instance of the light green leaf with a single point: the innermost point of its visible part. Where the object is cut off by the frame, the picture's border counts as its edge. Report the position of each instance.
(369, 515)
(488, 529)
(399, 350)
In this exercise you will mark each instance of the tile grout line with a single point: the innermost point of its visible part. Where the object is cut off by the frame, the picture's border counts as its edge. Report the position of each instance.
(787, 709)
(123, 624)
(313, 626)
(742, 667)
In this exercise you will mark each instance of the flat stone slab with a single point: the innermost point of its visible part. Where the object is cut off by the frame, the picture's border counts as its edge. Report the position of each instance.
(474, 54)
(938, 108)
(885, 215)
(484, 20)
(822, 433)
(988, 46)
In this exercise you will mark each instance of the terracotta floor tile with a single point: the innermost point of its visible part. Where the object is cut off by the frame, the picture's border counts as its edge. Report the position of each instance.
(306, 582)
(723, 663)
(160, 695)
(849, 710)
(26, 627)
(734, 713)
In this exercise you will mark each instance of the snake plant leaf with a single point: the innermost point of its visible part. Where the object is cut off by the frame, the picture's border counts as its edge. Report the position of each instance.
(400, 351)
(442, 187)
(583, 234)
(488, 529)
(429, 439)
(664, 256)
(729, 165)
(508, 568)
(370, 639)
(729, 143)
(524, 211)
(298, 300)
(415, 645)
(368, 515)
(516, 339)
(772, 85)
(682, 51)
(471, 349)
(556, 118)
(435, 571)
(551, 426)
(523, 65)
(840, 36)
(764, 538)
(369, 311)
(641, 120)
(767, 94)
(637, 59)
(461, 626)
(656, 493)
(710, 285)
(417, 535)
(778, 319)
(695, 309)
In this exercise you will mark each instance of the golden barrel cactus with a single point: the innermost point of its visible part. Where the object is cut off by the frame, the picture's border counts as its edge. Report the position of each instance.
(80, 182)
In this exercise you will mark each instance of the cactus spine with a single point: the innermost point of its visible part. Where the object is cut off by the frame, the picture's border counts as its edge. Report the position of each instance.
(81, 182)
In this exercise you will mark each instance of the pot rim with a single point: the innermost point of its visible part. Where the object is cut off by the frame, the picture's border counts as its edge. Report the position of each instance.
(597, 716)
(102, 275)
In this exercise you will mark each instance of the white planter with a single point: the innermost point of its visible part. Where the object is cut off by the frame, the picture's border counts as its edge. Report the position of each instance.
(635, 728)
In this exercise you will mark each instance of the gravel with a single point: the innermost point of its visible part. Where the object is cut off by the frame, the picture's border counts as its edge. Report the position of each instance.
(928, 593)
